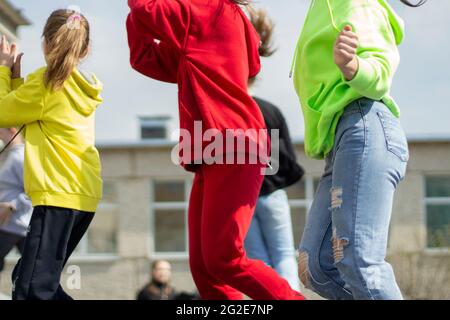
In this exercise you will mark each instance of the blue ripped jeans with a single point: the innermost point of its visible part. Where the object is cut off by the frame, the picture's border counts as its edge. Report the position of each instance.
(343, 250)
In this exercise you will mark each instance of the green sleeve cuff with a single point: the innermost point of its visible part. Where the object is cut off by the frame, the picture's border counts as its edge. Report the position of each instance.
(16, 83)
(363, 78)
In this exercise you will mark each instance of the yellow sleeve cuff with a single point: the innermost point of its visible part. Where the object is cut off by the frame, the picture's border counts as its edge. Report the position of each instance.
(16, 83)
(6, 71)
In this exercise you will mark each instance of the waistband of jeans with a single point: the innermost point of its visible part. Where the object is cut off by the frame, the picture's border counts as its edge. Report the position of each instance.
(359, 104)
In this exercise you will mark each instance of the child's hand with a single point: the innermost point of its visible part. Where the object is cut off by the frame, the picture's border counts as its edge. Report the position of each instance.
(345, 52)
(6, 210)
(17, 67)
(7, 53)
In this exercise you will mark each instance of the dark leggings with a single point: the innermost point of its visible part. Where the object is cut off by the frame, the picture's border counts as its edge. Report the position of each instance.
(53, 236)
(7, 242)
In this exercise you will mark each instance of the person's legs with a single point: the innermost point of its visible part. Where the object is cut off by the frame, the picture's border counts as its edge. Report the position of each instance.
(21, 275)
(255, 243)
(369, 163)
(37, 275)
(209, 287)
(7, 242)
(316, 265)
(20, 245)
(229, 200)
(81, 225)
(276, 225)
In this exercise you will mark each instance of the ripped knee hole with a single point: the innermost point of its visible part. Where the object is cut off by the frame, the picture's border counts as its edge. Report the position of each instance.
(303, 268)
(338, 247)
(336, 197)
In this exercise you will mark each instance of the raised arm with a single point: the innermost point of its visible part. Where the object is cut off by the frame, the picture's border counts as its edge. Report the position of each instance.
(367, 53)
(165, 20)
(150, 57)
(21, 106)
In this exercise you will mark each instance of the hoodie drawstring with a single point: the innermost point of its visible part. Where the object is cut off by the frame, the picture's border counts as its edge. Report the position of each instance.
(333, 22)
(294, 60)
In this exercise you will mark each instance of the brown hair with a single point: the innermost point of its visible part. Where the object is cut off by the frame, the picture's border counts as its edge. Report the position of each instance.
(265, 27)
(67, 37)
(241, 2)
(414, 5)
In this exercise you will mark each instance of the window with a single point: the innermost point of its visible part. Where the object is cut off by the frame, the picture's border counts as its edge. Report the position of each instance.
(170, 205)
(437, 203)
(101, 238)
(154, 128)
(301, 196)
(169, 208)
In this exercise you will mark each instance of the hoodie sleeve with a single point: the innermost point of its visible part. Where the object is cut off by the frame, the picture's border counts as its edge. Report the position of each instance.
(21, 106)
(378, 54)
(17, 83)
(154, 59)
(22, 202)
(164, 20)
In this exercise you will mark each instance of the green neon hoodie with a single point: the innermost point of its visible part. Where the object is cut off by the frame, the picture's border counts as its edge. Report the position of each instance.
(324, 93)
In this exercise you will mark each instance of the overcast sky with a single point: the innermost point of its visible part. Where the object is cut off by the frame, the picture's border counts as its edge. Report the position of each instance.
(421, 87)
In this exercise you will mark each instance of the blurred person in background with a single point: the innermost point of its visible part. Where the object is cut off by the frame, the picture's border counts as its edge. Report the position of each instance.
(15, 206)
(160, 287)
(270, 237)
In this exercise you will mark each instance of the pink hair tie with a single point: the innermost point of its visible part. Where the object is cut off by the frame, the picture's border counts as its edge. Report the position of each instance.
(74, 21)
(75, 17)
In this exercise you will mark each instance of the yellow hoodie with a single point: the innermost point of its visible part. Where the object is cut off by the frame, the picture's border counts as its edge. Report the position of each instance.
(62, 165)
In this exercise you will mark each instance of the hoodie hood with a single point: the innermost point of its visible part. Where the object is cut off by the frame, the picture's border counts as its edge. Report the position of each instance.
(84, 89)
(397, 23)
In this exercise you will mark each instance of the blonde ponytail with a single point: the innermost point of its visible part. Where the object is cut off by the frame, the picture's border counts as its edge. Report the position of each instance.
(67, 36)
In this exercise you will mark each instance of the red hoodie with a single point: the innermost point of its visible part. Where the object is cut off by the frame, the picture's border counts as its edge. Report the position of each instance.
(210, 49)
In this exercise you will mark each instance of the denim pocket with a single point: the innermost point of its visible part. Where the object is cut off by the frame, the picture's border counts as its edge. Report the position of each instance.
(396, 141)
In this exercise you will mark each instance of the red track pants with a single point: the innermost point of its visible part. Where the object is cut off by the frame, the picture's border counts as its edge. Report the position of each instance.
(222, 203)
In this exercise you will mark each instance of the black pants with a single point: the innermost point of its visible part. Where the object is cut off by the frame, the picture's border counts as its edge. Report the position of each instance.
(7, 242)
(53, 236)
